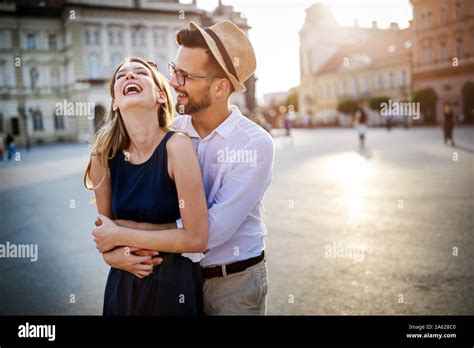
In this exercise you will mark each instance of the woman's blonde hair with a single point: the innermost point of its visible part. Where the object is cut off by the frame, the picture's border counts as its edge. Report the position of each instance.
(112, 136)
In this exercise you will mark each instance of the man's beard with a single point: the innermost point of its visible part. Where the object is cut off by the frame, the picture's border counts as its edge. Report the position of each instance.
(194, 106)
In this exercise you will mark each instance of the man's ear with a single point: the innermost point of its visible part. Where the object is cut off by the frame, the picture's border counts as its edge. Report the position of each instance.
(114, 105)
(223, 88)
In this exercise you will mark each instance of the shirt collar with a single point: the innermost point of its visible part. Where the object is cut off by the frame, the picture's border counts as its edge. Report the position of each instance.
(224, 129)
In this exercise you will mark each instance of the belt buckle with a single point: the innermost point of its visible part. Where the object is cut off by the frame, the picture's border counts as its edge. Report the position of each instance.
(224, 271)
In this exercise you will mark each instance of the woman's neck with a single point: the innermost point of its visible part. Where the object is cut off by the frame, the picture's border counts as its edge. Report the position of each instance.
(143, 130)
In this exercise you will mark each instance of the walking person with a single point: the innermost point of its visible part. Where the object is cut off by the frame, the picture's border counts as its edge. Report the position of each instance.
(2, 149)
(11, 148)
(448, 124)
(361, 125)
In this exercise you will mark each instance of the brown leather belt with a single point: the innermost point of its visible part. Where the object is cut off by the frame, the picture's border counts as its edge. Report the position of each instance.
(239, 266)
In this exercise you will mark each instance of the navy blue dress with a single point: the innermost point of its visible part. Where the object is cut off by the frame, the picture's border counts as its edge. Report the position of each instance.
(145, 193)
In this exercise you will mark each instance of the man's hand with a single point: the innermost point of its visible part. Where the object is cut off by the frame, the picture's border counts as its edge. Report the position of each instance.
(139, 262)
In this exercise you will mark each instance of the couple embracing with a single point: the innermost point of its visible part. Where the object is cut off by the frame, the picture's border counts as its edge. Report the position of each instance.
(179, 224)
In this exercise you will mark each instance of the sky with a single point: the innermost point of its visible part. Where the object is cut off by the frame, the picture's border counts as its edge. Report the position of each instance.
(276, 23)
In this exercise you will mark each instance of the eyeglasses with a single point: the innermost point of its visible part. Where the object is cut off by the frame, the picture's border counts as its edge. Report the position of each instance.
(181, 76)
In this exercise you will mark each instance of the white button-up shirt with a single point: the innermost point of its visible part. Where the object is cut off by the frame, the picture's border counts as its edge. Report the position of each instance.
(236, 162)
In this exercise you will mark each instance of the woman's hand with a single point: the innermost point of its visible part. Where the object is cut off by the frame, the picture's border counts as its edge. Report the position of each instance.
(105, 234)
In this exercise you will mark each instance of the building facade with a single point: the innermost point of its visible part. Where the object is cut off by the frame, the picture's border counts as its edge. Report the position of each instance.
(56, 59)
(376, 67)
(444, 50)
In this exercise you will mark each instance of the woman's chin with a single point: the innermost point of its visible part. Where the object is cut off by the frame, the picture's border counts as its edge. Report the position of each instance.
(132, 102)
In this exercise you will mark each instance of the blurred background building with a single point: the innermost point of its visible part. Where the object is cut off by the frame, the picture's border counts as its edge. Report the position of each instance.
(432, 58)
(63, 51)
(443, 59)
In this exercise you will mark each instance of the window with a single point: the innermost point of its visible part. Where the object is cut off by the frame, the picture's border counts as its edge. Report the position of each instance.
(93, 65)
(31, 42)
(87, 37)
(111, 37)
(5, 39)
(392, 80)
(120, 37)
(37, 120)
(366, 84)
(3, 74)
(96, 37)
(55, 78)
(134, 38)
(442, 16)
(34, 76)
(53, 42)
(116, 60)
(458, 10)
(380, 82)
(460, 48)
(443, 53)
(403, 79)
(58, 122)
(356, 86)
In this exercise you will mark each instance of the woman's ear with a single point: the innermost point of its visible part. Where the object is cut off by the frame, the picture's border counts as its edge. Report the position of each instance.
(161, 98)
(114, 105)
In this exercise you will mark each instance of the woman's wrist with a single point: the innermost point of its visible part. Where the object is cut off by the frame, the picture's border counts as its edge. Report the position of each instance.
(120, 236)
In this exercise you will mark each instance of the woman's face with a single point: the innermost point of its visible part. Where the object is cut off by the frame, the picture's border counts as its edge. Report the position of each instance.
(134, 87)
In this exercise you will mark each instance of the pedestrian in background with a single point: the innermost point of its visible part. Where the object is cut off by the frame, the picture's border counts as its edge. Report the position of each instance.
(2, 149)
(10, 146)
(448, 124)
(360, 122)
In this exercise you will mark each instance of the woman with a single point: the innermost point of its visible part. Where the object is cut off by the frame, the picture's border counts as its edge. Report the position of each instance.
(144, 172)
(361, 125)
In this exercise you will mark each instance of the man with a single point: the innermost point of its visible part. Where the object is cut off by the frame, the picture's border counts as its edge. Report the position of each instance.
(236, 159)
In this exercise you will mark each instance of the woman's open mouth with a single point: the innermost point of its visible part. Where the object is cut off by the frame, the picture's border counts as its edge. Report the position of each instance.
(131, 89)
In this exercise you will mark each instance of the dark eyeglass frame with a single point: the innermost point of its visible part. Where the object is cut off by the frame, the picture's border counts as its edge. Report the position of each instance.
(173, 71)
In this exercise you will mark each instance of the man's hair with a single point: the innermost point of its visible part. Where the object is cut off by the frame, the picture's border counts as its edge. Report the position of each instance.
(194, 39)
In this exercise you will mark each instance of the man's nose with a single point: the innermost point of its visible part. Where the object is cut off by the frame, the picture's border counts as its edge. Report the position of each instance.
(173, 82)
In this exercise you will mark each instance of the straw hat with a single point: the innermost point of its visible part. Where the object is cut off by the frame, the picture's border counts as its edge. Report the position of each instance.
(232, 50)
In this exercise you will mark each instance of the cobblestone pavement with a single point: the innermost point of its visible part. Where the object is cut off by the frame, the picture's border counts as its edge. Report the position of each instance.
(350, 231)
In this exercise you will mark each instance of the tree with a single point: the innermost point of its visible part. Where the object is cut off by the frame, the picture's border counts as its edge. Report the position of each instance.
(292, 99)
(348, 106)
(468, 101)
(375, 102)
(427, 98)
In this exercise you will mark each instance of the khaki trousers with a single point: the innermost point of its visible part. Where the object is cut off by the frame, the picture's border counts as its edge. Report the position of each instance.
(242, 293)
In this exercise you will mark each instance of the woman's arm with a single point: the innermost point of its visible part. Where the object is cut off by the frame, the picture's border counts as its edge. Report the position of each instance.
(103, 192)
(184, 169)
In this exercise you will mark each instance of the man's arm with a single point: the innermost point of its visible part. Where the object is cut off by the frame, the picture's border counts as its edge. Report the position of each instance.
(241, 189)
